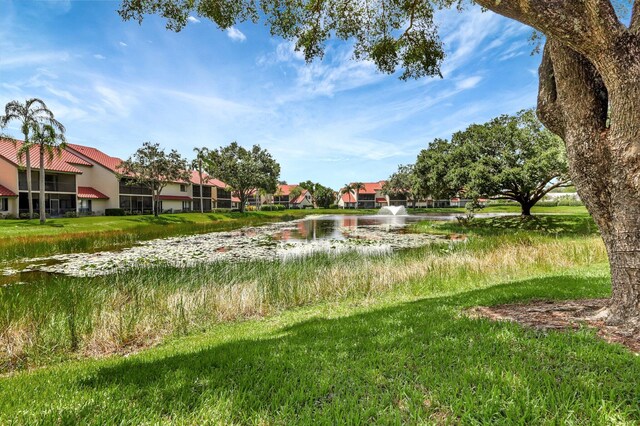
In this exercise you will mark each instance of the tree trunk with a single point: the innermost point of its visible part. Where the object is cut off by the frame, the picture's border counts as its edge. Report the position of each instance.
(29, 185)
(43, 213)
(525, 209)
(154, 202)
(604, 160)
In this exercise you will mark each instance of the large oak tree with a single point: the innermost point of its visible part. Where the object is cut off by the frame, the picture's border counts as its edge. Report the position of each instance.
(590, 66)
(509, 158)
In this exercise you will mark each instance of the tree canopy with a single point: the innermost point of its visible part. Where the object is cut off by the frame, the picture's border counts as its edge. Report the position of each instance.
(509, 158)
(245, 171)
(321, 196)
(404, 182)
(151, 167)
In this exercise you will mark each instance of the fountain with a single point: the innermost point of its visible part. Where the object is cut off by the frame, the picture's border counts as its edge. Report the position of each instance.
(393, 211)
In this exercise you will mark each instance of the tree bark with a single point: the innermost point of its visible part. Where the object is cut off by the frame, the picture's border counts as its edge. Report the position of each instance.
(29, 184)
(604, 161)
(525, 209)
(43, 213)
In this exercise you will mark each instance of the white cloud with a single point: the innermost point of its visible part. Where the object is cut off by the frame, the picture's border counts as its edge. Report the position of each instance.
(99, 56)
(123, 44)
(236, 35)
(18, 60)
(193, 20)
(468, 83)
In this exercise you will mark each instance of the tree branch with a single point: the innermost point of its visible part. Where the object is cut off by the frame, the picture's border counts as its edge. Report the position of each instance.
(634, 27)
(588, 26)
(549, 111)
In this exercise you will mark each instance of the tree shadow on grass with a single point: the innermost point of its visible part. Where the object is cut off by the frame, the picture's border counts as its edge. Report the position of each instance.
(160, 220)
(414, 362)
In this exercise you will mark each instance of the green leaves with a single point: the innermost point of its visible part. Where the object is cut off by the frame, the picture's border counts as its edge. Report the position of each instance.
(391, 33)
(244, 170)
(510, 157)
(152, 167)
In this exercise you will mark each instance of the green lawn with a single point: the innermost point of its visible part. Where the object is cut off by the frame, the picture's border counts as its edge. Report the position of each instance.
(327, 340)
(391, 359)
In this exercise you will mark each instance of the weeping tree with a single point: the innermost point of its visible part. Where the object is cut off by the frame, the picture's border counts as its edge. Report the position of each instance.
(590, 66)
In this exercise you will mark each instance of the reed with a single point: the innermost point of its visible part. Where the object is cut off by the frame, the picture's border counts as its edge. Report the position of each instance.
(61, 317)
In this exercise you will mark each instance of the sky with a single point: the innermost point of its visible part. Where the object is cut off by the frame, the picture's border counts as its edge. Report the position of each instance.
(116, 84)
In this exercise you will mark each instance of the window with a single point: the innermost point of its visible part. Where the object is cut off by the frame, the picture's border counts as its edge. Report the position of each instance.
(4, 204)
(183, 188)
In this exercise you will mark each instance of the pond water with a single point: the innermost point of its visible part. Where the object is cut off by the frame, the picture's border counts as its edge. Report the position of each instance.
(340, 227)
(369, 235)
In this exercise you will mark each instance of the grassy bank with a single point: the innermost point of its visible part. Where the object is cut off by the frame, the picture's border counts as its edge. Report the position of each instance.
(328, 340)
(384, 360)
(25, 239)
(62, 317)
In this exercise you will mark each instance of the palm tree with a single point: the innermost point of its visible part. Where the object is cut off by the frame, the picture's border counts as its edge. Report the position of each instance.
(32, 111)
(347, 189)
(49, 141)
(357, 186)
(201, 155)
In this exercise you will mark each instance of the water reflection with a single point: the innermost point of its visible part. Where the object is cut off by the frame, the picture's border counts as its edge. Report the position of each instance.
(336, 227)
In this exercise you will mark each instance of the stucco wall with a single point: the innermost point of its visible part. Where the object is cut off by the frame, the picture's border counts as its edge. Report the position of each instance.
(104, 181)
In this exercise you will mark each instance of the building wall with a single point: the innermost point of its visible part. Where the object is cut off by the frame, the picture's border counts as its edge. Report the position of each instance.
(174, 189)
(8, 175)
(104, 181)
(9, 179)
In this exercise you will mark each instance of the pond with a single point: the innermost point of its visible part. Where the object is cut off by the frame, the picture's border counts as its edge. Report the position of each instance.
(333, 234)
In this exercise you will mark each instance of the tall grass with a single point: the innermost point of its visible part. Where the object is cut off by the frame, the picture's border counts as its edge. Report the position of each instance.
(60, 317)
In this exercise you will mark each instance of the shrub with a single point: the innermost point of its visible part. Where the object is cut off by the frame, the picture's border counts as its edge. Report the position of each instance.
(334, 206)
(10, 216)
(70, 213)
(268, 208)
(251, 208)
(114, 212)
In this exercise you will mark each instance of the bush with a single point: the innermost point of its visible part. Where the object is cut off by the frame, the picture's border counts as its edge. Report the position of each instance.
(268, 208)
(334, 206)
(114, 212)
(70, 213)
(26, 215)
(10, 216)
(251, 208)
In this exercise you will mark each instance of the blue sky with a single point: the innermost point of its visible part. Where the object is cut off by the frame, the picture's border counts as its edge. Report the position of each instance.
(115, 84)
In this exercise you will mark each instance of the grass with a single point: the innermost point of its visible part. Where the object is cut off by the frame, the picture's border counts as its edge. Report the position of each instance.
(327, 340)
(384, 360)
(61, 317)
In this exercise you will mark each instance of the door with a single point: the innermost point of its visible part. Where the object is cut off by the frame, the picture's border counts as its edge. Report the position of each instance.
(54, 207)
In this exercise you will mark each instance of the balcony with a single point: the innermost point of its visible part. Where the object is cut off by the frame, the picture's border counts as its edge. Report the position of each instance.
(52, 182)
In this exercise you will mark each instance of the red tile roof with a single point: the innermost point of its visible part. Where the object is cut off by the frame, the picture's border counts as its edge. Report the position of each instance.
(6, 192)
(348, 197)
(369, 188)
(381, 200)
(217, 183)
(88, 192)
(97, 156)
(235, 199)
(175, 198)
(61, 162)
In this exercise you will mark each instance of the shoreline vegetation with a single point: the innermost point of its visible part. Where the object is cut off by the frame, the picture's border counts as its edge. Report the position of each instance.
(364, 339)
(21, 239)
